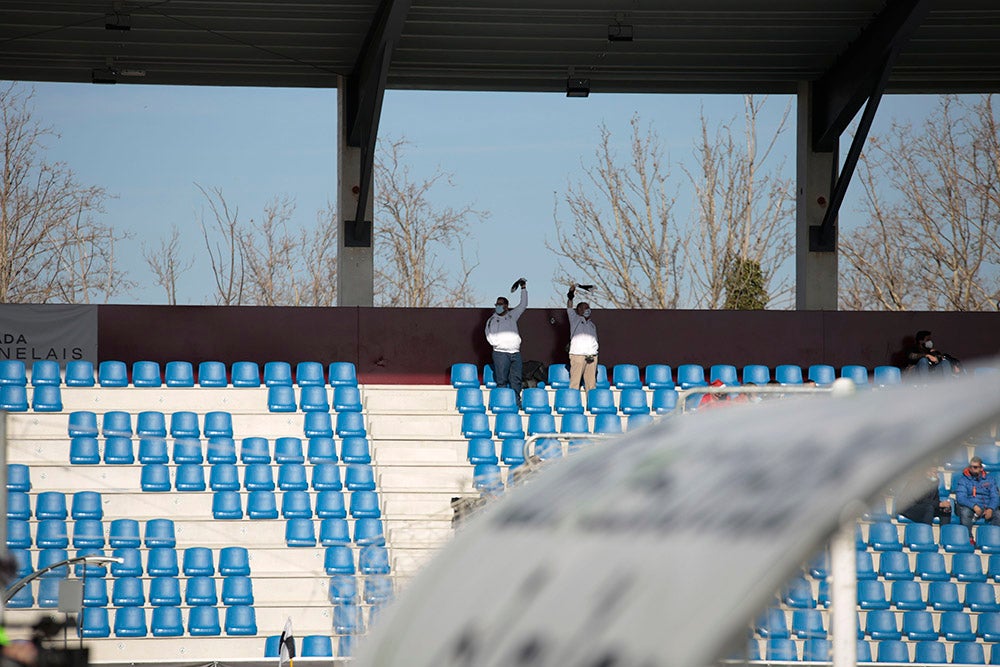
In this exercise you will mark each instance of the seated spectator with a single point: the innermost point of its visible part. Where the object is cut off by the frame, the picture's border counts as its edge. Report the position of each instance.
(929, 504)
(926, 359)
(976, 495)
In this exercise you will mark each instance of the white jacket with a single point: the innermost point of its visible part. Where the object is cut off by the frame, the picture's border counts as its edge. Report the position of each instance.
(582, 334)
(501, 330)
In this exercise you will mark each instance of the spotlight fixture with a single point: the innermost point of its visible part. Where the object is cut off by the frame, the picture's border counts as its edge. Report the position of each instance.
(103, 75)
(620, 32)
(117, 21)
(577, 87)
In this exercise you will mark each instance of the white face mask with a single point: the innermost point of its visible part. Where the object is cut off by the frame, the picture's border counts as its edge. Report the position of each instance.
(499, 310)
(586, 313)
(929, 344)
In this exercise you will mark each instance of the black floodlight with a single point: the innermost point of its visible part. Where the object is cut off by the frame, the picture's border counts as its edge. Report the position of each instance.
(619, 32)
(576, 87)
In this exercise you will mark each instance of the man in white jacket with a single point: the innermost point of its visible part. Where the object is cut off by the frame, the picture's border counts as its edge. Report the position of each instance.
(503, 336)
(582, 343)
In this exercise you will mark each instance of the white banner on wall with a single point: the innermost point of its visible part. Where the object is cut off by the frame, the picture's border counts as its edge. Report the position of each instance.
(60, 333)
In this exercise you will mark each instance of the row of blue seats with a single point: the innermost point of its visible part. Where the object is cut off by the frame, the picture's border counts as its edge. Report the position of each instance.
(952, 537)
(511, 425)
(198, 591)
(343, 589)
(177, 374)
(940, 594)
(281, 398)
(310, 646)
(120, 450)
(482, 451)
(928, 566)
(566, 401)
(371, 559)
(661, 376)
(156, 477)
(240, 621)
(886, 651)
(197, 561)
(881, 624)
(150, 423)
(301, 532)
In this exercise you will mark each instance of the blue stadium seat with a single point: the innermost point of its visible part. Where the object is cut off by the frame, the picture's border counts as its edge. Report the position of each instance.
(188, 450)
(343, 588)
(124, 533)
(990, 454)
(313, 399)
(512, 451)
(246, 374)
(892, 650)
(988, 537)
(780, 648)
(638, 421)
(84, 450)
(906, 595)
(116, 423)
(955, 538)
(262, 505)
(864, 651)
(502, 399)
(880, 624)
(968, 652)
(309, 374)
(288, 450)
(146, 374)
(464, 375)
(822, 374)
(90, 570)
(153, 450)
(601, 401)
(993, 567)
(943, 596)
(87, 505)
(481, 450)
(166, 622)
(131, 565)
(46, 398)
(602, 377)
(224, 477)
(798, 594)
(929, 652)
(819, 566)
(988, 627)
(48, 558)
(919, 537)
(179, 374)
(486, 477)
(558, 376)
(318, 425)
(355, 450)
(198, 562)
(930, 566)
(326, 477)
(300, 533)
(980, 596)
(373, 559)
(234, 561)
(772, 624)
(489, 381)
(296, 504)
(345, 646)
(574, 422)
(19, 505)
(469, 399)
(542, 422)
(808, 624)
(967, 567)
(48, 505)
(476, 425)
(316, 646)
(855, 372)
(49, 534)
(626, 376)
(664, 401)
(343, 373)
(162, 562)
(227, 505)
(79, 373)
(334, 531)
(18, 477)
(212, 374)
(369, 532)
(204, 622)
(151, 423)
(690, 375)
(816, 649)
(788, 374)
(155, 477)
(378, 589)
(88, 533)
(82, 423)
(887, 376)
(536, 400)
(12, 372)
(351, 424)
(568, 401)
(956, 626)
(508, 425)
(277, 373)
(865, 566)
(255, 450)
(545, 449)
(93, 623)
(112, 374)
(200, 591)
(659, 376)
(95, 592)
(321, 449)
(756, 374)
(160, 533)
(607, 423)
(633, 402)
(725, 373)
(871, 595)
(919, 626)
(347, 399)
(164, 591)
(128, 592)
(258, 477)
(184, 424)
(359, 477)
(347, 619)
(330, 505)
(48, 594)
(272, 646)
(292, 477)
(339, 559)
(281, 398)
(237, 590)
(117, 451)
(218, 424)
(893, 565)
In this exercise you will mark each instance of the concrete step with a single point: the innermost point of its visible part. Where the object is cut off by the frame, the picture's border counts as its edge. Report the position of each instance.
(387, 399)
(433, 451)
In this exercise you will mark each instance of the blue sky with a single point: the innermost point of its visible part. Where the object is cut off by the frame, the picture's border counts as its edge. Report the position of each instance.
(510, 154)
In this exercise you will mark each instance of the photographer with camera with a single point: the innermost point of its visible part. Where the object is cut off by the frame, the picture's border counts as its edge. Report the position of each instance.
(582, 342)
(503, 336)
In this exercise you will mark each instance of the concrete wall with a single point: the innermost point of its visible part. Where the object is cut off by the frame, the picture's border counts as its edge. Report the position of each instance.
(404, 345)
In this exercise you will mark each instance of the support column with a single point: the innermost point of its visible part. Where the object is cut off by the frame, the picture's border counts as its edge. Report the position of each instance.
(355, 265)
(816, 173)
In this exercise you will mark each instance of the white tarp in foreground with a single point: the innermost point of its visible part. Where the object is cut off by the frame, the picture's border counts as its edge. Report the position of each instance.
(660, 547)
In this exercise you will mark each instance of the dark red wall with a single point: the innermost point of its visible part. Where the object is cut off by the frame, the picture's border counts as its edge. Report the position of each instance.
(418, 345)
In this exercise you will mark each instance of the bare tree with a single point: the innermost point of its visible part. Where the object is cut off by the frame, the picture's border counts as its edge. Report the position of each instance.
(414, 240)
(621, 235)
(166, 263)
(933, 197)
(51, 247)
(744, 209)
(222, 241)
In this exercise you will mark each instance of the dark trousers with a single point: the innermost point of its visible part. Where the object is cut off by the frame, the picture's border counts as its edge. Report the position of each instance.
(507, 371)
